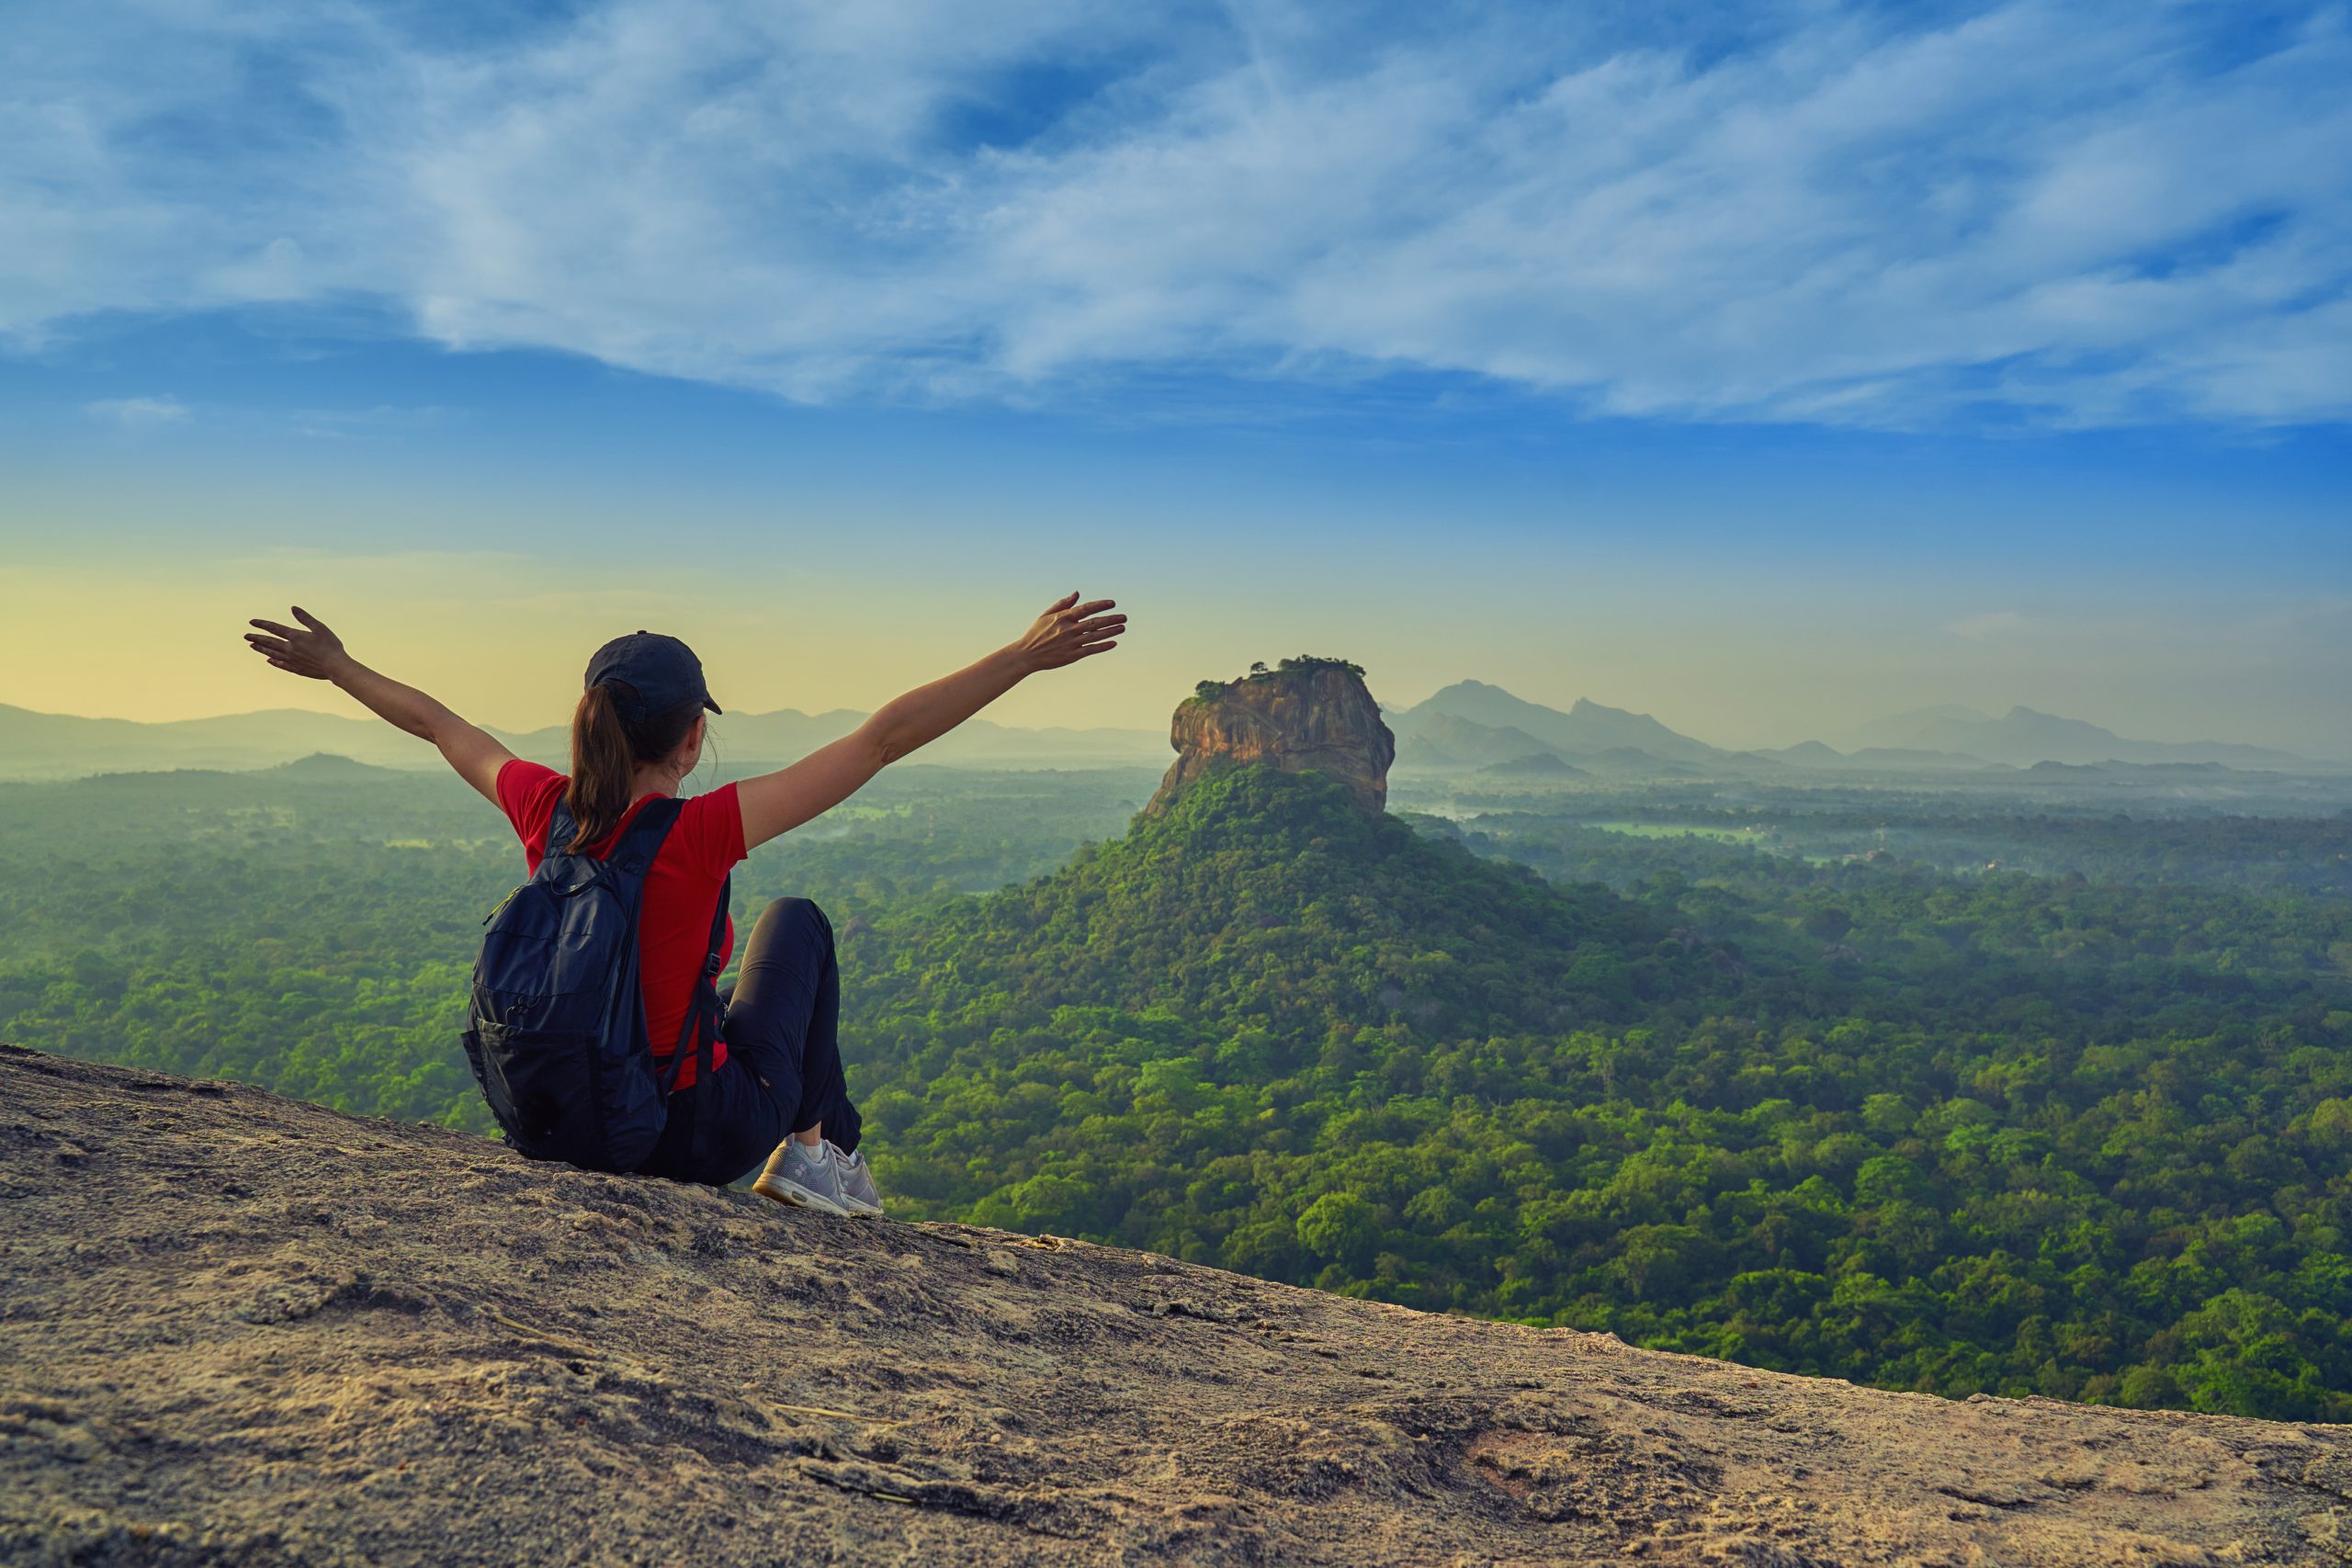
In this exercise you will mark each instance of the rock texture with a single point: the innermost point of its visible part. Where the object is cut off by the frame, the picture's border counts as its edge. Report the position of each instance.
(240, 1330)
(1309, 715)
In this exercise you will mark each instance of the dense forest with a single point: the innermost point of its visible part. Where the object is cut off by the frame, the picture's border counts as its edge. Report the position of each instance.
(311, 928)
(2082, 1130)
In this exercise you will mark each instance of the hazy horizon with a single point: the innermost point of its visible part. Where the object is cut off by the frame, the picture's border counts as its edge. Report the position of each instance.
(1389, 705)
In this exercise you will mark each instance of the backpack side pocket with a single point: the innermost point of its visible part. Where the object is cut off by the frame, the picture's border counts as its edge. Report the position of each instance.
(543, 1087)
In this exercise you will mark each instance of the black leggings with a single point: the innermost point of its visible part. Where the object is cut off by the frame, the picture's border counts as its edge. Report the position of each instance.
(783, 1072)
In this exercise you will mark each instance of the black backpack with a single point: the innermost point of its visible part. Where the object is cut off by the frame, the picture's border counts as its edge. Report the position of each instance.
(557, 1025)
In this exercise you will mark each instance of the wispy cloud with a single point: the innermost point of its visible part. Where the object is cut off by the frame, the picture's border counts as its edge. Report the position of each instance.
(2050, 212)
(138, 413)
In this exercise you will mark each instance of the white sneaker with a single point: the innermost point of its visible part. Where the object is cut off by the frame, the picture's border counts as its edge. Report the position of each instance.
(803, 1175)
(857, 1179)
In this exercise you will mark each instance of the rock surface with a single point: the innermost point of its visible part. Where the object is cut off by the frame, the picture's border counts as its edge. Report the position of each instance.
(1309, 715)
(236, 1329)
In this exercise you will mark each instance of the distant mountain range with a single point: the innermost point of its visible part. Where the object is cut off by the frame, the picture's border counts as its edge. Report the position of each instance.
(1470, 716)
(1472, 726)
(1541, 766)
(2023, 736)
(53, 746)
(1465, 727)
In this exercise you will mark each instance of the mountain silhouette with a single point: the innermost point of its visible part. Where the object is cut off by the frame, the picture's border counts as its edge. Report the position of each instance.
(57, 746)
(1468, 725)
(1586, 730)
(1537, 765)
(1444, 739)
(2024, 736)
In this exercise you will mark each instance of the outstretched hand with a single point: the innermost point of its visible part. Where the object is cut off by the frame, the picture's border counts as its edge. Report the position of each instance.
(1070, 631)
(310, 648)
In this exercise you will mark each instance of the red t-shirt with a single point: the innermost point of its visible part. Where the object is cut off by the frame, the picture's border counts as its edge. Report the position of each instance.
(681, 892)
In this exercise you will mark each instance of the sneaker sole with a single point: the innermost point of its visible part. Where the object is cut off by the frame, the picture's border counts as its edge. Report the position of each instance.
(797, 1196)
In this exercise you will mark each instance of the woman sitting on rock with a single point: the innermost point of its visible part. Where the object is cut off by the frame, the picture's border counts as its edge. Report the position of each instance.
(775, 1087)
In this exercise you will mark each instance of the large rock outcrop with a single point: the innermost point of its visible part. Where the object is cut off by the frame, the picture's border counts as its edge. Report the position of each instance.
(240, 1330)
(1308, 715)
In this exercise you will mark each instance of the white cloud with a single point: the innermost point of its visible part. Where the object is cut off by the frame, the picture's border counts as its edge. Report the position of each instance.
(2071, 211)
(138, 413)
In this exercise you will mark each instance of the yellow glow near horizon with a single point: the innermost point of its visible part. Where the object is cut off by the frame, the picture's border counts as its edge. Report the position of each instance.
(158, 638)
(474, 629)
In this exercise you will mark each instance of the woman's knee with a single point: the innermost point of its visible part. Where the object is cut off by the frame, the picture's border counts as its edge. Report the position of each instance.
(788, 931)
(784, 915)
(796, 910)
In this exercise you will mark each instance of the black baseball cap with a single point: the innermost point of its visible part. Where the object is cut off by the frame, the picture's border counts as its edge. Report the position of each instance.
(661, 670)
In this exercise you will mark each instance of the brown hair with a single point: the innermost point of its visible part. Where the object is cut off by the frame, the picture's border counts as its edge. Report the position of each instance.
(606, 748)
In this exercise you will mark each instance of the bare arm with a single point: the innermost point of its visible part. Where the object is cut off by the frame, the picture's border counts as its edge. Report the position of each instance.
(778, 801)
(313, 651)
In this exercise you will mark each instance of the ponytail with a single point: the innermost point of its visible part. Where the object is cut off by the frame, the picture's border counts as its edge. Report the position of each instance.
(606, 747)
(601, 768)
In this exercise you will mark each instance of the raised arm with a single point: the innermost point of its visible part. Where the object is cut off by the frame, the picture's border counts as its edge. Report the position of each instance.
(313, 650)
(778, 801)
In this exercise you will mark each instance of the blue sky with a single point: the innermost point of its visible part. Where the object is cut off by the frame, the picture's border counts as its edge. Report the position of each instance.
(1764, 366)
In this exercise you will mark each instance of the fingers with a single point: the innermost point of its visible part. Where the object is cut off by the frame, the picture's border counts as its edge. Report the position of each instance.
(274, 626)
(292, 664)
(309, 619)
(1077, 630)
(281, 651)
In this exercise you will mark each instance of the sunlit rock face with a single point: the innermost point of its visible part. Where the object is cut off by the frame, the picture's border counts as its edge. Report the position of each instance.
(1309, 715)
(462, 1358)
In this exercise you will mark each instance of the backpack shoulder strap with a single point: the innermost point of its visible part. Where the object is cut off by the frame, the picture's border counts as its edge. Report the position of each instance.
(638, 845)
(704, 1009)
(648, 831)
(706, 989)
(560, 827)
